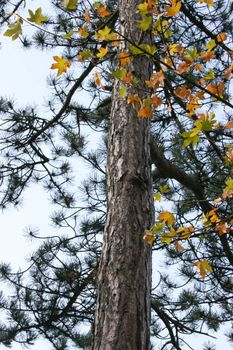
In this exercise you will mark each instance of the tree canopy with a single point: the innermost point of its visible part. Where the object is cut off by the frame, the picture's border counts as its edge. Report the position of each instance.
(187, 102)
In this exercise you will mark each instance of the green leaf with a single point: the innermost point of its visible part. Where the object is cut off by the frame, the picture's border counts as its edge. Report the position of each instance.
(15, 29)
(145, 23)
(37, 17)
(122, 91)
(119, 73)
(70, 5)
(69, 35)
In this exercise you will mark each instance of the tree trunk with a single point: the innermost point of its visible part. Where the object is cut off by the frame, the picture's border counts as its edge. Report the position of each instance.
(124, 280)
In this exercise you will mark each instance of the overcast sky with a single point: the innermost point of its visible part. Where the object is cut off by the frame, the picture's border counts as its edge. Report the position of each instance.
(23, 77)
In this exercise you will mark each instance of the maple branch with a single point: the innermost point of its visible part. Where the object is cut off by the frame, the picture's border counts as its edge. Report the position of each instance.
(168, 170)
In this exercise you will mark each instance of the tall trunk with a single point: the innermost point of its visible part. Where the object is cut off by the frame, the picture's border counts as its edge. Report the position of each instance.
(124, 279)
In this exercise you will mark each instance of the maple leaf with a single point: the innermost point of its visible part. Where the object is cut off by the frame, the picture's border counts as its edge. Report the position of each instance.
(207, 2)
(102, 52)
(134, 100)
(124, 58)
(183, 67)
(221, 37)
(102, 11)
(203, 267)
(87, 16)
(157, 197)
(182, 92)
(156, 101)
(156, 80)
(205, 122)
(207, 56)
(192, 106)
(149, 237)
(217, 89)
(164, 188)
(104, 34)
(167, 218)
(122, 91)
(145, 23)
(145, 112)
(222, 228)
(179, 246)
(69, 35)
(97, 78)
(128, 78)
(37, 17)
(228, 190)
(70, 5)
(174, 9)
(168, 236)
(61, 65)
(83, 32)
(15, 29)
(191, 137)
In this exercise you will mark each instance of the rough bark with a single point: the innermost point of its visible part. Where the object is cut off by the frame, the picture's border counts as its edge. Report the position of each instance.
(124, 278)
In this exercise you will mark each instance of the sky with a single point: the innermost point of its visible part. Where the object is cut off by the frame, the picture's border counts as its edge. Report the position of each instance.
(23, 76)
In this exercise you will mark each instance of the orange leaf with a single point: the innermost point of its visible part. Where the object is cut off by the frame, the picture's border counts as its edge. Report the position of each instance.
(102, 52)
(145, 112)
(156, 80)
(203, 267)
(156, 101)
(102, 11)
(179, 246)
(128, 78)
(86, 16)
(149, 237)
(134, 100)
(167, 217)
(221, 37)
(182, 92)
(124, 58)
(174, 9)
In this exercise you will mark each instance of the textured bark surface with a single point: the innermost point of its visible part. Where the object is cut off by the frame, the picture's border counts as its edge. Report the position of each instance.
(124, 280)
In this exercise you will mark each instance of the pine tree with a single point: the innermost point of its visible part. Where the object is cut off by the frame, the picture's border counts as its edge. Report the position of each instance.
(162, 62)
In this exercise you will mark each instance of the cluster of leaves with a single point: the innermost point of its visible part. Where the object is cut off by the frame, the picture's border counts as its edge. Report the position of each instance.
(188, 102)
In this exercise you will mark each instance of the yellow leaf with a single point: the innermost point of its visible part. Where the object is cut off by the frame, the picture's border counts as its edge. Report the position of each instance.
(102, 52)
(203, 266)
(61, 64)
(211, 44)
(168, 236)
(157, 197)
(104, 34)
(174, 9)
(164, 188)
(15, 29)
(149, 237)
(167, 217)
(70, 5)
